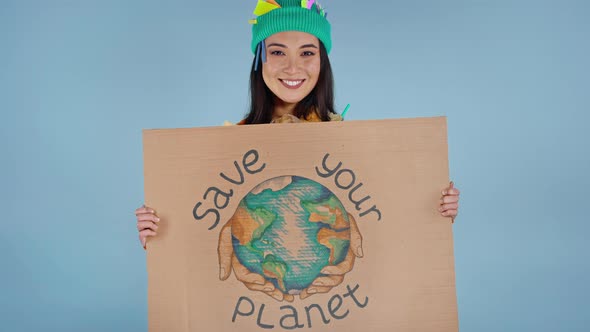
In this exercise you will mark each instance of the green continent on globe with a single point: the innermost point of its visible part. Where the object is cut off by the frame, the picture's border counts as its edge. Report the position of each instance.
(288, 229)
(275, 268)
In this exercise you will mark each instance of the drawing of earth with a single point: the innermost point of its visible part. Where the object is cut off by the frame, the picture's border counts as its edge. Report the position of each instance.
(287, 229)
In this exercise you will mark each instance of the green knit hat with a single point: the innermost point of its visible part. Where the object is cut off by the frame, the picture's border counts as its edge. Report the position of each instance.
(275, 16)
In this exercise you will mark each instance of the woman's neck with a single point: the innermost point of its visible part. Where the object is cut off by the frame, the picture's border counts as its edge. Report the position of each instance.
(282, 108)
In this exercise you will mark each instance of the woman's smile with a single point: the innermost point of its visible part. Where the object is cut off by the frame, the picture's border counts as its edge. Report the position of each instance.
(292, 84)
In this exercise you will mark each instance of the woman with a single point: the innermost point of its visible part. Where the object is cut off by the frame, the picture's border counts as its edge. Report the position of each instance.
(290, 81)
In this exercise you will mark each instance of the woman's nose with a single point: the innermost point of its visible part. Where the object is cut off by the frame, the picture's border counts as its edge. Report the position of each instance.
(291, 65)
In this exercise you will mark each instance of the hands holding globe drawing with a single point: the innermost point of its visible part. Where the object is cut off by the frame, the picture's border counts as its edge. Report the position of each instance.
(330, 276)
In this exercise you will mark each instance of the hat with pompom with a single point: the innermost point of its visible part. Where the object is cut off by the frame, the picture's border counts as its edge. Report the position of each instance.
(274, 16)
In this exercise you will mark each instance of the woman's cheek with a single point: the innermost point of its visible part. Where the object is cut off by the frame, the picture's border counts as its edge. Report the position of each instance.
(316, 69)
(314, 64)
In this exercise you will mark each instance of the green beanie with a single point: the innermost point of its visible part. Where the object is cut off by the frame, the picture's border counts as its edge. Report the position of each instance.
(292, 15)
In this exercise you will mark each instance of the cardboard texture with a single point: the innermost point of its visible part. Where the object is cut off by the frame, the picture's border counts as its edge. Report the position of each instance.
(329, 226)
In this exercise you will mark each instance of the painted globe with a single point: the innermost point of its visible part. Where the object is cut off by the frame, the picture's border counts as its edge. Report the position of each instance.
(288, 229)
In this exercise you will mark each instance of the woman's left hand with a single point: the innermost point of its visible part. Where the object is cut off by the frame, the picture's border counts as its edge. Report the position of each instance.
(449, 203)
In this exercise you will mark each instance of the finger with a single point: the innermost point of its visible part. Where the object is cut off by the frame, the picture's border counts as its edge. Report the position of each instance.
(144, 209)
(141, 225)
(446, 190)
(143, 241)
(344, 267)
(328, 281)
(276, 294)
(318, 289)
(448, 199)
(450, 206)
(450, 213)
(225, 251)
(304, 294)
(451, 190)
(356, 239)
(143, 235)
(244, 275)
(148, 217)
(267, 287)
(454, 191)
(147, 232)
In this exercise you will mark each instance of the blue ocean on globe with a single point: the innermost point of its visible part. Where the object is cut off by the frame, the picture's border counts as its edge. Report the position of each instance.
(288, 229)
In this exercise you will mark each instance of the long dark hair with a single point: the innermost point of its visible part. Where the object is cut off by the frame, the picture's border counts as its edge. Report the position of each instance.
(320, 99)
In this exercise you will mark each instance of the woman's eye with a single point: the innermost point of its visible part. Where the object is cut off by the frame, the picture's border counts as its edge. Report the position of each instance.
(308, 53)
(276, 52)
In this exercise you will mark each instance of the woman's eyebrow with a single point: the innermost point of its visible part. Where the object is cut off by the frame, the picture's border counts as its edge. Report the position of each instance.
(308, 45)
(276, 44)
(285, 46)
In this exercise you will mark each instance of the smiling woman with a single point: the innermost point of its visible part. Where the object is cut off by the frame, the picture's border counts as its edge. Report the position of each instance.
(291, 40)
(292, 68)
(290, 81)
(295, 82)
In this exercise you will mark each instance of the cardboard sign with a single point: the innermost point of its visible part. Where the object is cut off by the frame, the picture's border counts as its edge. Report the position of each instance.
(330, 226)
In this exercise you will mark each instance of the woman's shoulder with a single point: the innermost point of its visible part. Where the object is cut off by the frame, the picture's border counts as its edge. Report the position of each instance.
(335, 117)
(228, 123)
(312, 117)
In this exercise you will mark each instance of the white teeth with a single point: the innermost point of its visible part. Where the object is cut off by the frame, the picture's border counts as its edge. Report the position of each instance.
(292, 83)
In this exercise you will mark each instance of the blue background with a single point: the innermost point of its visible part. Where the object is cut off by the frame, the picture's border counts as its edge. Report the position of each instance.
(80, 79)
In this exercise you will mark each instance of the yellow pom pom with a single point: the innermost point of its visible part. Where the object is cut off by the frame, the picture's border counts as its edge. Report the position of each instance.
(264, 7)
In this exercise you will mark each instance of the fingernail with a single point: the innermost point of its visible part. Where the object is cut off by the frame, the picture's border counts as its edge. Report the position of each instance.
(444, 192)
(318, 283)
(221, 273)
(360, 251)
(440, 209)
(268, 289)
(157, 219)
(312, 291)
(259, 282)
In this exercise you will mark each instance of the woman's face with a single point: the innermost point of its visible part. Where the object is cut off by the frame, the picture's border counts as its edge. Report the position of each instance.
(292, 65)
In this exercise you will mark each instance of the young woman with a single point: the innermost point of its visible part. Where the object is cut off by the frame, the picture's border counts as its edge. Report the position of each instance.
(290, 81)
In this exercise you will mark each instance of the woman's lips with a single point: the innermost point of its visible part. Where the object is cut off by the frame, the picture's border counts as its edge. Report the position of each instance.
(292, 84)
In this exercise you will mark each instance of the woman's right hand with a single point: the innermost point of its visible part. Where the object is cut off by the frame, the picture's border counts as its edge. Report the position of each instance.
(147, 223)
